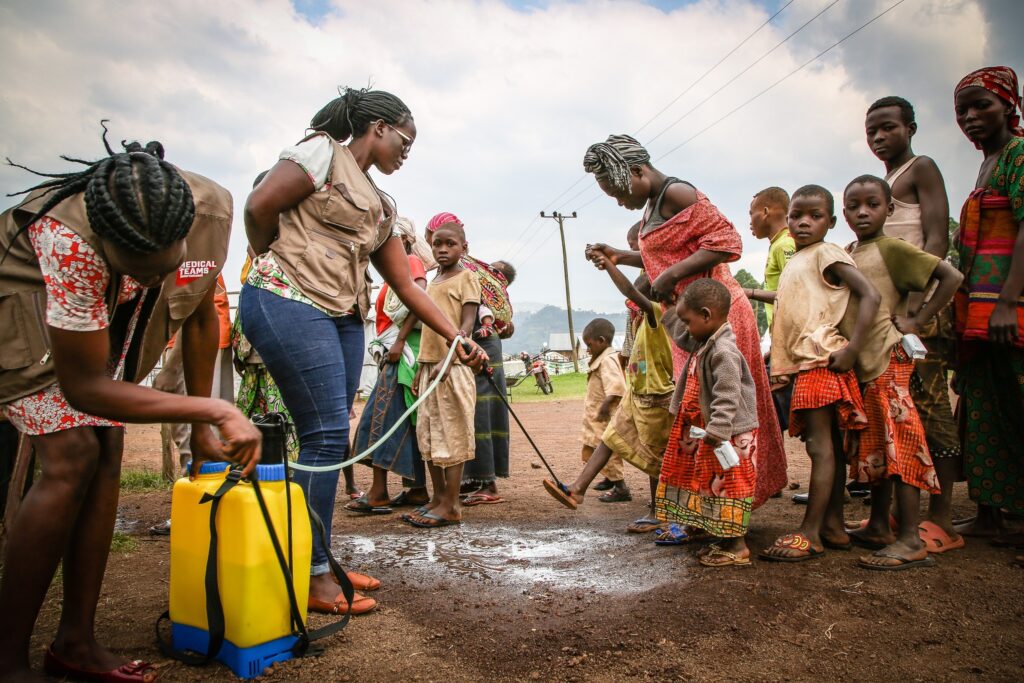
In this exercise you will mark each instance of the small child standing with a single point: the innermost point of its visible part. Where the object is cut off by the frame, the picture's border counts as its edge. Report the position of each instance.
(444, 426)
(716, 394)
(605, 388)
(813, 296)
(893, 446)
(638, 431)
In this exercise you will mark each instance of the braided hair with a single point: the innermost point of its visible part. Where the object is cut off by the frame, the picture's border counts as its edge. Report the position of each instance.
(350, 114)
(612, 160)
(134, 199)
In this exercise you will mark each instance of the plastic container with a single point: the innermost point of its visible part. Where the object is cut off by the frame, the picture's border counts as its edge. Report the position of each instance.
(252, 587)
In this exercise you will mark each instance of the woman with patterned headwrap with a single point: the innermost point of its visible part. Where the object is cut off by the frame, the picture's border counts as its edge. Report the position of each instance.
(479, 478)
(683, 237)
(989, 307)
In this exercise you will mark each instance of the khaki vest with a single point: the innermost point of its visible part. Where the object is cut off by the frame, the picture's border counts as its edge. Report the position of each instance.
(25, 362)
(324, 243)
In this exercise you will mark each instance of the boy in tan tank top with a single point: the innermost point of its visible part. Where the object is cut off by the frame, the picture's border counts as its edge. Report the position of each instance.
(921, 217)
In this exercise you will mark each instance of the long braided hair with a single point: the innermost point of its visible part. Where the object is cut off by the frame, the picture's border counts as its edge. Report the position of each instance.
(611, 160)
(350, 114)
(134, 199)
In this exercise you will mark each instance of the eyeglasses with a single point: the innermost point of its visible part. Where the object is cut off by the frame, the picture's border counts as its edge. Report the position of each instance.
(406, 139)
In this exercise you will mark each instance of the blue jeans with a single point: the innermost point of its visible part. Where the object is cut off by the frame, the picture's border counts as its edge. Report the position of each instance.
(316, 361)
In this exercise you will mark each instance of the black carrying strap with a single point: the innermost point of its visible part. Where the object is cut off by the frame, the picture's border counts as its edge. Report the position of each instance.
(214, 607)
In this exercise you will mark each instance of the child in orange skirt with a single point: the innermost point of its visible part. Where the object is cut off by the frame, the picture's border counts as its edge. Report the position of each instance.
(893, 446)
(813, 296)
(718, 396)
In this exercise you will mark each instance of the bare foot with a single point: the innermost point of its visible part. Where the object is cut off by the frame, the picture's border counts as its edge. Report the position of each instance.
(323, 587)
(895, 555)
(869, 537)
(88, 656)
(794, 547)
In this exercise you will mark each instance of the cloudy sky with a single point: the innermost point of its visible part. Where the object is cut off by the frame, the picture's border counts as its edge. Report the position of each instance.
(507, 96)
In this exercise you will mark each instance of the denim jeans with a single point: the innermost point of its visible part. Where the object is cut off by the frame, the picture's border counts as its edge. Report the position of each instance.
(316, 361)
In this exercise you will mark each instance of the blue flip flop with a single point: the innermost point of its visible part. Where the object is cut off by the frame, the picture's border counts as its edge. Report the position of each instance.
(674, 535)
(434, 523)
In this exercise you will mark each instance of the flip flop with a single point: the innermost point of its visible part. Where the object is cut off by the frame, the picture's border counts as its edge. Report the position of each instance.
(928, 561)
(415, 511)
(797, 541)
(560, 492)
(136, 670)
(363, 507)
(434, 522)
(361, 582)
(936, 540)
(730, 559)
(480, 498)
(360, 605)
(676, 535)
(643, 525)
(402, 500)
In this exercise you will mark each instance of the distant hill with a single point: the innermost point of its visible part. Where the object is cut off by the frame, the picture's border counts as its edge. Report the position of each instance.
(532, 329)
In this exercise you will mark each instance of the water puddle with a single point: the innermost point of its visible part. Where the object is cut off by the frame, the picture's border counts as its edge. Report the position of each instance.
(519, 558)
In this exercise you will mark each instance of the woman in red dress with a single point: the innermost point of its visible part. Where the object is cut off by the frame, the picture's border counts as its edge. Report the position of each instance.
(683, 237)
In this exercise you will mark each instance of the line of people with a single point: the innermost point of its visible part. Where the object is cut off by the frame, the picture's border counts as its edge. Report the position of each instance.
(863, 341)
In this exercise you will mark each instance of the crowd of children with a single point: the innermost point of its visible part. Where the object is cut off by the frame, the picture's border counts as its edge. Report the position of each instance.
(861, 348)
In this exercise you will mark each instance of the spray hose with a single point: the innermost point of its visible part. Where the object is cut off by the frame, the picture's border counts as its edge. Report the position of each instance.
(409, 411)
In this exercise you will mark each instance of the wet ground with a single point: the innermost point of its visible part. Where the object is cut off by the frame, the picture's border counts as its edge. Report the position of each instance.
(528, 590)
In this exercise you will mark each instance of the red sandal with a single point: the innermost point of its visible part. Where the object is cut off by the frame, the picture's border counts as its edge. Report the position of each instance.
(136, 671)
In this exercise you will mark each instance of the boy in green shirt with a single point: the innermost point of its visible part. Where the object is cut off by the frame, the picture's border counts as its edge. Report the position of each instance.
(768, 212)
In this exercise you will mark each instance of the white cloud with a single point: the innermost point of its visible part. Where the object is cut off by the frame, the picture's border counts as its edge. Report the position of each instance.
(506, 100)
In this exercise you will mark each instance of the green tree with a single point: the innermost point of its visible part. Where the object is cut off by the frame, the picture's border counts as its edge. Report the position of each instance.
(747, 280)
(952, 256)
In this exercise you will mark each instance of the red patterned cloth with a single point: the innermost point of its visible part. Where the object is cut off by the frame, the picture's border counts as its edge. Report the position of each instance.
(702, 226)
(893, 443)
(441, 219)
(1001, 81)
(822, 387)
(692, 465)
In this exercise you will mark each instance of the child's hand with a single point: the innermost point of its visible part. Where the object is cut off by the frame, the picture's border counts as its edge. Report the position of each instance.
(594, 252)
(712, 441)
(415, 388)
(395, 352)
(842, 360)
(436, 370)
(475, 357)
(664, 287)
(906, 324)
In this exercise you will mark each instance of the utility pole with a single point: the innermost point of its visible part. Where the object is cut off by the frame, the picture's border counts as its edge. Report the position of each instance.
(561, 218)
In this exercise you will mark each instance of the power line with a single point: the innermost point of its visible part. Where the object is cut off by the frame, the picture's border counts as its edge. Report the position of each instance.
(751, 66)
(750, 100)
(523, 240)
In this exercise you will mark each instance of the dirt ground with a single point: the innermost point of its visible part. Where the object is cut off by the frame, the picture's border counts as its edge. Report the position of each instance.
(530, 591)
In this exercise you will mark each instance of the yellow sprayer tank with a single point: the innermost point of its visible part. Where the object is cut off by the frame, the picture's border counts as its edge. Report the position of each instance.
(252, 587)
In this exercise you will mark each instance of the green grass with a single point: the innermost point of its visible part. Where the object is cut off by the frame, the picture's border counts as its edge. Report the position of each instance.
(143, 480)
(566, 387)
(123, 543)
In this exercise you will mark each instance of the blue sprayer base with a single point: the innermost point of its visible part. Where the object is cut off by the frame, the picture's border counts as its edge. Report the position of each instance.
(246, 662)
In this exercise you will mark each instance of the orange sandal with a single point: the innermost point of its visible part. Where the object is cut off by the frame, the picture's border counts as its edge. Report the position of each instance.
(360, 605)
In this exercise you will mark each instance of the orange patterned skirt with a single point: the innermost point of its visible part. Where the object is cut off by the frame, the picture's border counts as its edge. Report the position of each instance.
(820, 387)
(893, 444)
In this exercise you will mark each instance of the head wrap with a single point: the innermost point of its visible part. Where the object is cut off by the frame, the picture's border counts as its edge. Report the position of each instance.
(420, 248)
(441, 219)
(611, 160)
(1001, 81)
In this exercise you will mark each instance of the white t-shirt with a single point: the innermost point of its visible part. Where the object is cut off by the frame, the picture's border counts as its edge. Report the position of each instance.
(314, 156)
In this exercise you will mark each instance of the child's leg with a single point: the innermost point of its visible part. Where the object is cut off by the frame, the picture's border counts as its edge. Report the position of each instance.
(907, 546)
(378, 493)
(818, 440)
(448, 505)
(437, 481)
(595, 459)
(350, 479)
(832, 528)
(654, 494)
(40, 534)
(878, 530)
